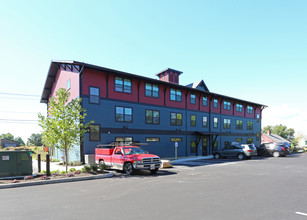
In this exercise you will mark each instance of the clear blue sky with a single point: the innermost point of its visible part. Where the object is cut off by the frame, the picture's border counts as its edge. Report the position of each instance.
(253, 50)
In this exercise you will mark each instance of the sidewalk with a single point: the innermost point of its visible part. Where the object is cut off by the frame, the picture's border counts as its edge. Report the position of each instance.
(190, 159)
(53, 166)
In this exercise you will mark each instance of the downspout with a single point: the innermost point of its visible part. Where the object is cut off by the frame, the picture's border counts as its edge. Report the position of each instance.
(210, 129)
(82, 159)
(186, 124)
(221, 123)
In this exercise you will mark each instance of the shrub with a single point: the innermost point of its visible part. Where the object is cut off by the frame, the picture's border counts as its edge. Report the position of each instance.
(102, 166)
(72, 170)
(87, 168)
(63, 172)
(77, 172)
(94, 167)
(83, 170)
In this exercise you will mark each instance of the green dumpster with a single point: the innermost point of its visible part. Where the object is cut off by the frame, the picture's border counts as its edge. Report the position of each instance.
(15, 163)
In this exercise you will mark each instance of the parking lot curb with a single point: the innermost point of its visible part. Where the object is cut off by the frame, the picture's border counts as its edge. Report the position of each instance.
(64, 180)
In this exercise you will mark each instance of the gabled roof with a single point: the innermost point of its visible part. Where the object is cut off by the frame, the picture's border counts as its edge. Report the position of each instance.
(200, 85)
(276, 138)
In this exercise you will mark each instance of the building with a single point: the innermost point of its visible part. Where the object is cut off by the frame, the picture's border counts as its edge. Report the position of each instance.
(273, 138)
(160, 112)
(8, 143)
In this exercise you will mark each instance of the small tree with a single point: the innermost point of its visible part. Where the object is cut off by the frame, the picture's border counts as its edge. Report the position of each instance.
(35, 140)
(63, 127)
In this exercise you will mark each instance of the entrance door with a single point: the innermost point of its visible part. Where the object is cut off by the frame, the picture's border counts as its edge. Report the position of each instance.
(205, 144)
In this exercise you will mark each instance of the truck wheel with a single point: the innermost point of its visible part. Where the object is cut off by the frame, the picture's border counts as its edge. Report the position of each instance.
(154, 171)
(128, 168)
(240, 156)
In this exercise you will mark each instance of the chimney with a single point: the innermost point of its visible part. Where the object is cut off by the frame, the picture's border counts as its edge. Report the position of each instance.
(169, 75)
(268, 132)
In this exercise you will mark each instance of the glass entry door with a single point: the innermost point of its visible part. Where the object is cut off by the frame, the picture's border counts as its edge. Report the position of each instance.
(205, 144)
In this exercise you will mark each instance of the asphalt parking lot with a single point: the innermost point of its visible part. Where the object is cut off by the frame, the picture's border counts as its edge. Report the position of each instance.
(260, 188)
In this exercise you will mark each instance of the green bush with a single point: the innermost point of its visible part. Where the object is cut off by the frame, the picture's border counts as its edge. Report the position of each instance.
(87, 168)
(102, 166)
(72, 170)
(94, 167)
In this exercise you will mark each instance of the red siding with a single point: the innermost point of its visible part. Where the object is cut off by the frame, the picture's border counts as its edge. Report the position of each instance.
(61, 80)
(216, 110)
(96, 79)
(193, 106)
(204, 108)
(241, 114)
(151, 100)
(175, 104)
(133, 96)
(226, 111)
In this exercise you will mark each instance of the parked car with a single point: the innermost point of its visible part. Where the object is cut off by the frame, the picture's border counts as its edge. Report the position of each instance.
(273, 149)
(241, 151)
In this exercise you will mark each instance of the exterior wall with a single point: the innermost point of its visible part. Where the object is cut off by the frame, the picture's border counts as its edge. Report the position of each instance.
(62, 77)
(104, 114)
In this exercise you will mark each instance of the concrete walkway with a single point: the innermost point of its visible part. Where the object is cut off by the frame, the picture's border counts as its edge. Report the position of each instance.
(53, 166)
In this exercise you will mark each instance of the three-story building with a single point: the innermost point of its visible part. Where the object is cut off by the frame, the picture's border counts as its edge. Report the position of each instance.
(160, 112)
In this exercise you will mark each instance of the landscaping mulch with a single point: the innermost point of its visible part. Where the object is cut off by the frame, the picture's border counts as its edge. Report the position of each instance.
(43, 177)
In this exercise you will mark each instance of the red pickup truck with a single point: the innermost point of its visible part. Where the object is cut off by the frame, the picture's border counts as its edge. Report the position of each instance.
(128, 159)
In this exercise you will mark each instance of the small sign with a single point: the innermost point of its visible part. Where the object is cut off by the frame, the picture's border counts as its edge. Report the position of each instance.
(176, 144)
(5, 157)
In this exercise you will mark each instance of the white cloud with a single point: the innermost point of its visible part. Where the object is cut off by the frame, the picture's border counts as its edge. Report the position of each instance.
(292, 117)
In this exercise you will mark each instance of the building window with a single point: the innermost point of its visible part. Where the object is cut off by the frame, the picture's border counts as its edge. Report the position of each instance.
(257, 136)
(193, 120)
(227, 105)
(249, 125)
(193, 147)
(205, 121)
(151, 90)
(176, 139)
(68, 85)
(215, 103)
(226, 144)
(123, 114)
(215, 122)
(94, 95)
(123, 140)
(205, 101)
(239, 124)
(175, 95)
(193, 99)
(239, 140)
(176, 119)
(152, 139)
(249, 109)
(227, 124)
(152, 117)
(123, 85)
(249, 140)
(239, 107)
(94, 132)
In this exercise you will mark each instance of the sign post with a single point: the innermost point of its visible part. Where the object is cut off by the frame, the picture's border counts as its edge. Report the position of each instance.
(176, 149)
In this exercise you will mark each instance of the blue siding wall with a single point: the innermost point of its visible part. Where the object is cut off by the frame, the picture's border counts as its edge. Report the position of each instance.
(104, 115)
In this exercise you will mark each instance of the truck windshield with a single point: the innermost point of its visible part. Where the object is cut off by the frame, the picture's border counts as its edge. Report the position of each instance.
(133, 150)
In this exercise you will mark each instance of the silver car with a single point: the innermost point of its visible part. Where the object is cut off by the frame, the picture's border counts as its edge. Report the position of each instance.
(241, 151)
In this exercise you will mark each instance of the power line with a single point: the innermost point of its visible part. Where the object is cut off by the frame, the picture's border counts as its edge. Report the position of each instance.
(17, 120)
(18, 112)
(25, 99)
(16, 94)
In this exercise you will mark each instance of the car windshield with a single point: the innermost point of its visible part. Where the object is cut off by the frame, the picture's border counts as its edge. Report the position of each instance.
(133, 150)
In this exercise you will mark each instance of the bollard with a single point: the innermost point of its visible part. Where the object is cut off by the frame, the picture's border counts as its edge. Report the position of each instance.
(39, 162)
(48, 165)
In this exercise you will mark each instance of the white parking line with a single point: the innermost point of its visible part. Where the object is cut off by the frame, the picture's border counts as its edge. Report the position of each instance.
(301, 213)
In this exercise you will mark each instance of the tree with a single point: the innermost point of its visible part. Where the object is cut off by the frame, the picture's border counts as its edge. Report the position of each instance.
(63, 127)
(8, 136)
(35, 140)
(20, 141)
(281, 130)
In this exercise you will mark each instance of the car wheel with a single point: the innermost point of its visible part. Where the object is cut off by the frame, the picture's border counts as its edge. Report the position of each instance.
(217, 156)
(154, 171)
(276, 154)
(128, 168)
(240, 156)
